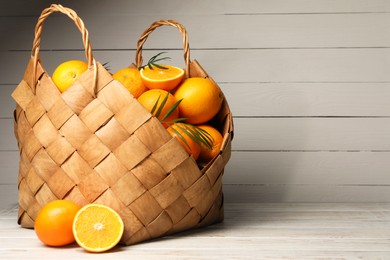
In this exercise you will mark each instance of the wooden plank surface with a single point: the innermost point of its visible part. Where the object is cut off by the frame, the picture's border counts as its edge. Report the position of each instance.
(315, 192)
(304, 168)
(224, 31)
(204, 6)
(314, 99)
(249, 231)
(235, 66)
(9, 195)
(331, 134)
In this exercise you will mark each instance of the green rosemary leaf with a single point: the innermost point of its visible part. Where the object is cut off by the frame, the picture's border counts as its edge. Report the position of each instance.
(199, 136)
(161, 106)
(180, 119)
(159, 66)
(155, 56)
(195, 133)
(153, 62)
(173, 121)
(181, 137)
(192, 133)
(155, 105)
(158, 54)
(205, 137)
(171, 109)
(106, 65)
(164, 58)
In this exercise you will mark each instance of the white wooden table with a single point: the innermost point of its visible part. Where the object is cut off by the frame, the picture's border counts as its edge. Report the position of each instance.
(250, 231)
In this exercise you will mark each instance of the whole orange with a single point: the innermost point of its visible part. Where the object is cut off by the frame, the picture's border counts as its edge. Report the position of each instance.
(202, 99)
(176, 130)
(154, 99)
(67, 73)
(207, 154)
(131, 80)
(54, 222)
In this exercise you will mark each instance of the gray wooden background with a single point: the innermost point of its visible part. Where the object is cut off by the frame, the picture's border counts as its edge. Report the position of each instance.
(308, 82)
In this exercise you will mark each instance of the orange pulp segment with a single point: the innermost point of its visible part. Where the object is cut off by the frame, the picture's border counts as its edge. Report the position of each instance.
(97, 228)
(166, 79)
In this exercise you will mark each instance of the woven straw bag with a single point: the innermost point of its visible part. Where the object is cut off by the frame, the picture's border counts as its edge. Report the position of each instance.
(95, 143)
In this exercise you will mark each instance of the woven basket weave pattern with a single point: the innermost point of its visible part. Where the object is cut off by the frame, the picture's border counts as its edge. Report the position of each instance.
(95, 143)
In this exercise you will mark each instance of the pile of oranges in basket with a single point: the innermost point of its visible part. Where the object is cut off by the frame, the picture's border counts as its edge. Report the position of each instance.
(184, 106)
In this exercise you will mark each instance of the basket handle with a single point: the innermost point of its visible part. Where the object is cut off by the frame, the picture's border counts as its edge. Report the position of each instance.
(80, 25)
(153, 26)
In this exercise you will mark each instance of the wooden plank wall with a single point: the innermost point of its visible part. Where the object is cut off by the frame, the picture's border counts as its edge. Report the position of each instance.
(308, 83)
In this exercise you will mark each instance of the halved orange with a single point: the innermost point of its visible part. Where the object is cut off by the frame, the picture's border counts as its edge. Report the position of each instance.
(158, 78)
(97, 228)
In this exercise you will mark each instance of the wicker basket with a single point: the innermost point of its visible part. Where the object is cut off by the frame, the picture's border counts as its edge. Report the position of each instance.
(95, 143)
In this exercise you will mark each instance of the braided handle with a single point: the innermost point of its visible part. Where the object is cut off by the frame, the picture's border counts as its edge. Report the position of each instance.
(38, 31)
(153, 26)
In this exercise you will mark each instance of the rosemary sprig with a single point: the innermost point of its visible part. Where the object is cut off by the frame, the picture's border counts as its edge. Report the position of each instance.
(181, 137)
(171, 109)
(197, 134)
(153, 62)
(106, 65)
(159, 107)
